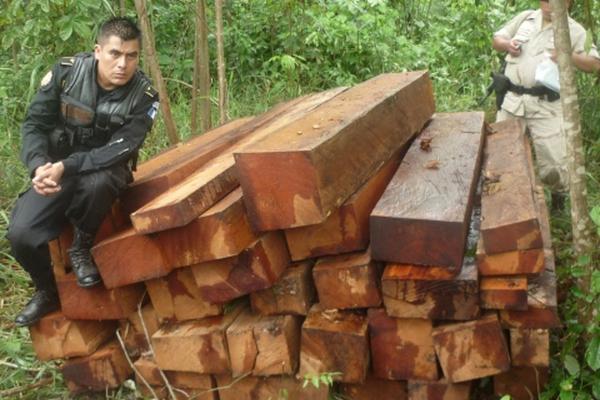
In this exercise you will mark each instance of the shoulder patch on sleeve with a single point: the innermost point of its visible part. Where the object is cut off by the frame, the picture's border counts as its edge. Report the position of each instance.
(150, 91)
(153, 110)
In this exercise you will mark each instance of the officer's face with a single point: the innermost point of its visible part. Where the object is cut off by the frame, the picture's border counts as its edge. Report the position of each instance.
(117, 61)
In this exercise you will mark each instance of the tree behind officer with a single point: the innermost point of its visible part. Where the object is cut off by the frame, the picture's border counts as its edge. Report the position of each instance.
(529, 41)
(80, 141)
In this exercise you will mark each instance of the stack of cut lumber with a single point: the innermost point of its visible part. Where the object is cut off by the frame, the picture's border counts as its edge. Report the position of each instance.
(330, 238)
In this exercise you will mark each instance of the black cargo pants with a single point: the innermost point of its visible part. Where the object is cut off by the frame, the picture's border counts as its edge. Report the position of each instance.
(84, 201)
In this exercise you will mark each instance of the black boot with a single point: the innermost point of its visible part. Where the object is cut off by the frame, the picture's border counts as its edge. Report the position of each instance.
(81, 259)
(43, 302)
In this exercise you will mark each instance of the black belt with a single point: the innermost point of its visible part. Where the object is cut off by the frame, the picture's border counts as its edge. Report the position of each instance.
(539, 91)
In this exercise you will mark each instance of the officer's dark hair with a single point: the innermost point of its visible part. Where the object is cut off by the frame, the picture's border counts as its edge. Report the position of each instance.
(122, 27)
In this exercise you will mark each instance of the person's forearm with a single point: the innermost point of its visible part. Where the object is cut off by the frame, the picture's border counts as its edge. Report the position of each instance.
(586, 63)
(500, 43)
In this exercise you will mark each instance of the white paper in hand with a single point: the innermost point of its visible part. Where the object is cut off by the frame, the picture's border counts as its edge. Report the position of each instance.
(546, 74)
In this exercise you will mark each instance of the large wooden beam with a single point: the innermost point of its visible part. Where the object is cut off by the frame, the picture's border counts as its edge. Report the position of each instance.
(97, 303)
(257, 267)
(55, 336)
(299, 176)
(401, 349)
(374, 388)
(431, 292)
(137, 329)
(105, 369)
(348, 281)
(176, 297)
(264, 388)
(423, 216)
(195, 346)
(347, 228)
(503, 292)
(220, 232)
(471, 350)
(294, 292)
(335, 341)
(522, 383)
(530, 347)
(211, 182)
(171, 166)
(508, 207)
(542, 309)
(439, 390)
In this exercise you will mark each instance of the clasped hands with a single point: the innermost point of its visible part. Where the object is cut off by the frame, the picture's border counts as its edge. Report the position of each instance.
(47, 178)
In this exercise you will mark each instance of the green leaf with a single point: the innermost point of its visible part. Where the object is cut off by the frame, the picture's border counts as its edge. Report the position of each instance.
(505, 397)
(566, 395)
(571, 365)
(595, 284)
(315, 381)
(592, 354)
(596, 389)
(595, 213)
(588, 41)
(66, 32)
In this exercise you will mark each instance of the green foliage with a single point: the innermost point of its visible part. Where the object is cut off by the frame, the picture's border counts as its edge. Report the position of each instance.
(318, 379)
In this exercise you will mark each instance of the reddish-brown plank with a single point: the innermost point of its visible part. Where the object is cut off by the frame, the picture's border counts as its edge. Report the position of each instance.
(335, 341)
(176, 297)
(300, 175)
(213, 180)
(440, 390)
(508, 207)
(521, 383)
(471, 350)
(374, 388)
(401, 348)
(431, 292)
(423, 215)
(105, 369)
(503, 292)
(293, 293)
(194, 346)
(264, 388)
(530, 347)
(55, 336)
(347, 228)
(257, 267)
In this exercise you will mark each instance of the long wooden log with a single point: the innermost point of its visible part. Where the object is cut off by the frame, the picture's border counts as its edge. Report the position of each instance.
(274, 387)
(522, 383)
(347, 228)
(334, 341)
(241, 344)
(105, 369)
(348, 281)
(530, 347)
(294, 292)
(299, 176)
(55, 336)
(133, 329)
(429, 198)
(374, 388)
(440, 390)
(220, 232)
(211, 182)
(97, 303)
(172, 165)
(503, 293)
(508, 207)
(471, 350)
(401, 349)
(176, 297)
(542, 309)
(431, 292)
(257, 267)
(195, 346)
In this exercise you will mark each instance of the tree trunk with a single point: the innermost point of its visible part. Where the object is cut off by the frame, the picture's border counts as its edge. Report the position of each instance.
(589, 18)
(223, 104)
(581, 223)
(201, 72)
(122, 8)
(152, 59)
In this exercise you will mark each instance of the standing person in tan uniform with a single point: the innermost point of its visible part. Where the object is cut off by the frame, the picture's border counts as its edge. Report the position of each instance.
(528, 40)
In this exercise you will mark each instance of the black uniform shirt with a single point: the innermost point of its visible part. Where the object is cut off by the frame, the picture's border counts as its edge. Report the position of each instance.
(44, 115)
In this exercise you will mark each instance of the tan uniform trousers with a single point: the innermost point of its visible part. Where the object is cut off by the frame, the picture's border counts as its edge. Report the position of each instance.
(550, 147)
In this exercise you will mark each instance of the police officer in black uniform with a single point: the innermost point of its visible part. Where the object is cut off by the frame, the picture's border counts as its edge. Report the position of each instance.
(80, 141)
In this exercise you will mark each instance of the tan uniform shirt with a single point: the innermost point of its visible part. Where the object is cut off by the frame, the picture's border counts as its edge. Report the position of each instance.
(537, 44)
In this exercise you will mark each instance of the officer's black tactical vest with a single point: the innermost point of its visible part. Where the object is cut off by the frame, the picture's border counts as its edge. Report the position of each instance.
(86, 123)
